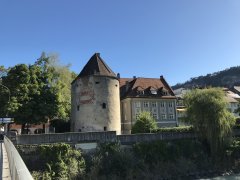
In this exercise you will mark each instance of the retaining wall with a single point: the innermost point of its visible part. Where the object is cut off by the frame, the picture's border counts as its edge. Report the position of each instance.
(109, 136)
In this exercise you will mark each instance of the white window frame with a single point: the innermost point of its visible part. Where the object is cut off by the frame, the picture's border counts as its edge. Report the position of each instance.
(153, 92)
(163, 116)
(137, 104)
(155, 116)
(162, 104)
(170, 104)
(171, 116)
(146, 104)
(154, 104)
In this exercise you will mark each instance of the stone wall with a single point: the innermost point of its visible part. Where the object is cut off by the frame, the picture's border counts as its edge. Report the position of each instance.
(72, 137)
(109, 136)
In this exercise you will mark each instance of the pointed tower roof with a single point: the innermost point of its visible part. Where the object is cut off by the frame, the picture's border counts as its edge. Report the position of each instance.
(96, 66)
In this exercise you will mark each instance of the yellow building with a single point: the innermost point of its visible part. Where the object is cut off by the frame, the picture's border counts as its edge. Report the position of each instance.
(147, 94)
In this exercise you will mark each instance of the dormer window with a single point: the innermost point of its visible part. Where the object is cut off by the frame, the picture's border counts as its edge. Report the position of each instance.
(153, 91)
(141, 92)
(164, 92)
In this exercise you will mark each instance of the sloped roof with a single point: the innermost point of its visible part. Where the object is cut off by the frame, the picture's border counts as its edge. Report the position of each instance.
(237, 88)
(96, 66)
(130, 86)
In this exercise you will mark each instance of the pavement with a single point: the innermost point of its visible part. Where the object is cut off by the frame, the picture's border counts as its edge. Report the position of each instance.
(4, 165)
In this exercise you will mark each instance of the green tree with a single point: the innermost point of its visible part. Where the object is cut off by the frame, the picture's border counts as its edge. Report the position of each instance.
(65, 77)
(145, 123)
(33, 99)
(39, 92)
(207, 111)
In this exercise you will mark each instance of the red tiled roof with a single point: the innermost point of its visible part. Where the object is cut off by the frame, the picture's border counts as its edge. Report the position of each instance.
(146, 84)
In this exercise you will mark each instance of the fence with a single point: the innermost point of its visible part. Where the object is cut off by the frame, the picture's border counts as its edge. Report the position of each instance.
(18, 169)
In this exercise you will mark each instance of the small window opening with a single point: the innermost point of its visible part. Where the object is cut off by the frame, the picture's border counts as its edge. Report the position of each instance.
(105, 128)
(96, 82)
(79, 130)
(78, 107)
(104, 105)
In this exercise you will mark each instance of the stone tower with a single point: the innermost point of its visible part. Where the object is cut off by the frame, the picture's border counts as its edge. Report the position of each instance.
(95, 98)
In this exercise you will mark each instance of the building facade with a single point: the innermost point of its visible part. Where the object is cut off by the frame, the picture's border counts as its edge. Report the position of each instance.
(95, 104)
(147, 94)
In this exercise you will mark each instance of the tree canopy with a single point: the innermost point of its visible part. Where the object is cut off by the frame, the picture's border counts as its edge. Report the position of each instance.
(207, 112)
(39, 92)
(145, 123)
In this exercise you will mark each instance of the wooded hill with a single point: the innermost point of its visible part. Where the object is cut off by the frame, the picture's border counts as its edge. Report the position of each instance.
(226, 78)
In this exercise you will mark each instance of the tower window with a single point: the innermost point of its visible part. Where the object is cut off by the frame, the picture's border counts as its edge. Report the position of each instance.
(104, 105)
(96, 82)
(78, 107)
(105, 128)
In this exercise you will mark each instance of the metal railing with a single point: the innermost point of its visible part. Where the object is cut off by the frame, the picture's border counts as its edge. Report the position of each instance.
(18, 169)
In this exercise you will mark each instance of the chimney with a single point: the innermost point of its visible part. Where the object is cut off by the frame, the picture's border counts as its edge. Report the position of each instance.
(134, 77)
(118, 75)
(161, 77)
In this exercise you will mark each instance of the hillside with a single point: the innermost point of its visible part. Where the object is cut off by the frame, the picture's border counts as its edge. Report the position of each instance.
(225, 78)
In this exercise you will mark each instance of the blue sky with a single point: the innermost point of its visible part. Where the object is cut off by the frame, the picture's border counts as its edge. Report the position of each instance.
(178, 39)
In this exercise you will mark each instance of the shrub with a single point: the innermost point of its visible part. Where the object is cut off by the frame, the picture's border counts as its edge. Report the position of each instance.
(175, 129)
(145, 123)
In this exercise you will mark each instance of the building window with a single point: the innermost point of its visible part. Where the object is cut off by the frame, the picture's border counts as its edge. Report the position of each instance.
(136, 116)
(165, 93)
(154, 110)
(154, 104)
(96, 82)
(163, 116)
(137, 104)
(137, 110)
(104, 105)
(145, 104)
(155, 116)
(78, 107)
(171, 116)
(153, 92)
(170, 104)
(141, 92)
(162, 104)
(105, 128)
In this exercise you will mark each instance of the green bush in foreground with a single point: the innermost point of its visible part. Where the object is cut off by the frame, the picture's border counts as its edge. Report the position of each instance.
(61, 162)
